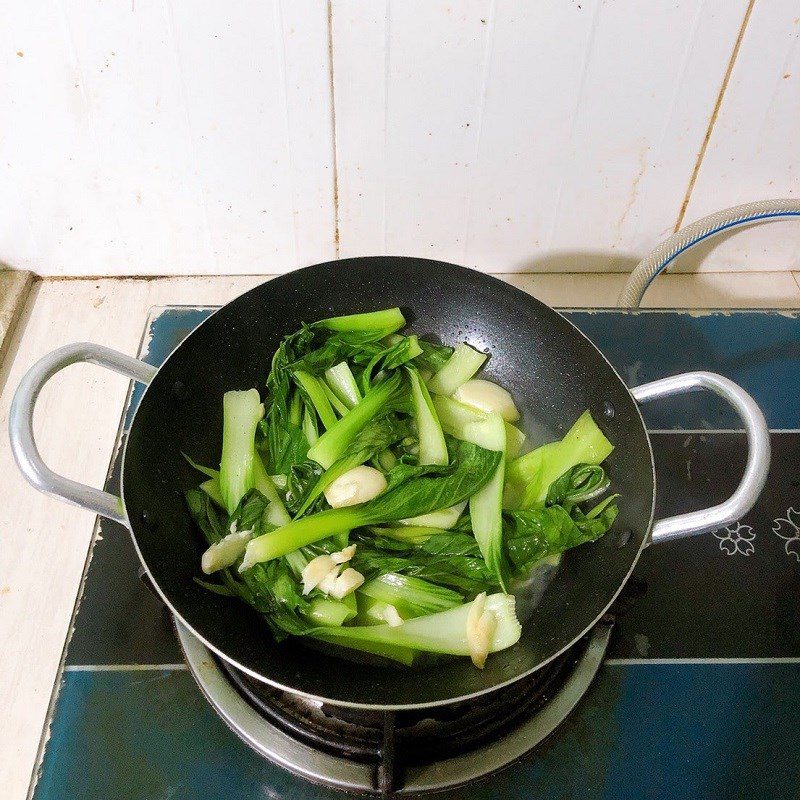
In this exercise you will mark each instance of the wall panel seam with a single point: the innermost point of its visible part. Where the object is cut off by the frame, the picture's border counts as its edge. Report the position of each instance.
(714, 114)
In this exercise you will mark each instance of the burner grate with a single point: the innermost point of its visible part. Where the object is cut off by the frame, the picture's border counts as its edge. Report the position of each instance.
(392, 741)
(403, 752)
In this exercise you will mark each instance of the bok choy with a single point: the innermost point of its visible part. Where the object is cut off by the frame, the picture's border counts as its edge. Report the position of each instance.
(371, 494)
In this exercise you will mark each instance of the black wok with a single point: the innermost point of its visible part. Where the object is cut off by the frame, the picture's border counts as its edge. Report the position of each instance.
(552, 370)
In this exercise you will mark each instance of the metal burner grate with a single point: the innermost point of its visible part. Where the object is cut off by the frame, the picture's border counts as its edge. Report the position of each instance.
(386, 753)
(415, 737)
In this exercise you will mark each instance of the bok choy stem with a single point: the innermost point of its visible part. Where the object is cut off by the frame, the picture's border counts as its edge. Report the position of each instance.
(486, 505)
(333, 442)
(341, 380)
(411, 596)
(309, 427)
(454, 416)
(338, 406)
(388, 320)
(263, 483)
(316, 393)
(460, 367)
(241, 414)
(432, 447)
(404, 498)
(443, 632)
(529, 476)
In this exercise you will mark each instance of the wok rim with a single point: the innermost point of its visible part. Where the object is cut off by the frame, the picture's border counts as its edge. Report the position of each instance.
(388, 706)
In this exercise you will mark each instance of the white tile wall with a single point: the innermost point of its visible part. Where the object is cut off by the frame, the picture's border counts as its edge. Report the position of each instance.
(513, 137)
(754, 149)
(163, 137)
(145, 137)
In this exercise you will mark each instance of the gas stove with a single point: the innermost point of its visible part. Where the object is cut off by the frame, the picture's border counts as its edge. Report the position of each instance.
(690, 689)
(388, 753)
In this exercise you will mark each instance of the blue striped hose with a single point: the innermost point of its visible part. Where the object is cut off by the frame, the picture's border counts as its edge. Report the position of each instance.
(659, 259)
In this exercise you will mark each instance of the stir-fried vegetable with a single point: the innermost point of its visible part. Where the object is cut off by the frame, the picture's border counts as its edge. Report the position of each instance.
(241, 414)
(460, 367)
(412, 490)
(432, 447)
(412, 597)
(343, 384)
(444, 632)
(373, 497)
(530, 476)
(486, 505)
(336, 439)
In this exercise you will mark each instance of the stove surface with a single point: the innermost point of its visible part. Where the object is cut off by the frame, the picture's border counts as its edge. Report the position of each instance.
(700, 695)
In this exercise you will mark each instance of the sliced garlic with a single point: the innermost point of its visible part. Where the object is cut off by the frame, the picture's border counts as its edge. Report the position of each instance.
(329, 581)
(344, 555)
(392, 616)
(346, 583)
(316, 571)
(357, 485)
(475, 611)
(481, 625)
(488, 625)
(487, 397)
(225, 552)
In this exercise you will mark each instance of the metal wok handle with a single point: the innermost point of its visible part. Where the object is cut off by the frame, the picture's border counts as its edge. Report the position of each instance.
(755, 472)
(20, 424)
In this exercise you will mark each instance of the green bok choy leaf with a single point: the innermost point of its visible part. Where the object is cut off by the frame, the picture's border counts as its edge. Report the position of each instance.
(530, 476)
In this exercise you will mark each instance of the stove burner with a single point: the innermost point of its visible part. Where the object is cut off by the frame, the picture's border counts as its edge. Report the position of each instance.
(380, 752)
(417, 737)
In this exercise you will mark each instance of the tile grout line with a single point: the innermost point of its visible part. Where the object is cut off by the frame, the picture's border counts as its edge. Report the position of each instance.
(179, 667)
(333, 134)
(501, 274)
(626, 662)
(610, 662)
(714, 114)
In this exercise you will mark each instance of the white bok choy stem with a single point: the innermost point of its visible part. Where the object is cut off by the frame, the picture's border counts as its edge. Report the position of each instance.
(444, 632)
(445, 519)
(241, 414)
(460, 367)
(264, 484)
(343, 384)
(486, 505)
(330, 446)
(411, 596)
(488, 397)
(454, 416)
(432, 446)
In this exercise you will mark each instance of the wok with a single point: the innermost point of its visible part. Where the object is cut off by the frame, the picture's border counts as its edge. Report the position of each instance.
(550, 367)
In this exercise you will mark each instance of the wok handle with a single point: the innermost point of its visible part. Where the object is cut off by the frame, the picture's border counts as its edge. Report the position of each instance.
(20, 424)
(758, 453)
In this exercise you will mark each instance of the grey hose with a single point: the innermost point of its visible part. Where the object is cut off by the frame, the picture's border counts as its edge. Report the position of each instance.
(680, 241)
